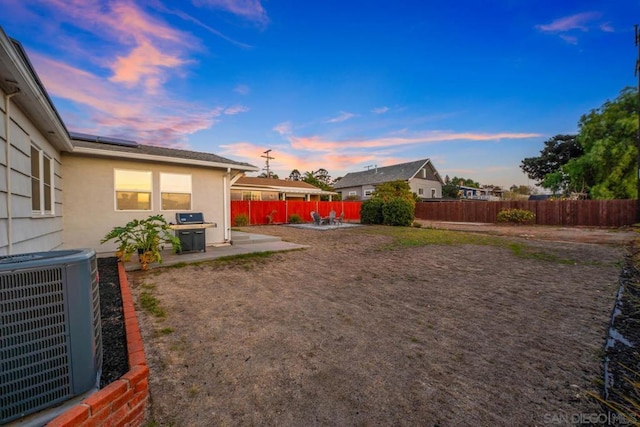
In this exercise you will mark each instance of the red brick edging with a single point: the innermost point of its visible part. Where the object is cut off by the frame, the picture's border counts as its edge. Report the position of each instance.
(124, 401)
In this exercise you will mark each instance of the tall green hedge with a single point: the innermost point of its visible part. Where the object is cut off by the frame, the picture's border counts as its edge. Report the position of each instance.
(371, 211)
(398, 212)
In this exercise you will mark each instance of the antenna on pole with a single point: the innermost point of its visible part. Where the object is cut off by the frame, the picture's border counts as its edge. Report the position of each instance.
(371, 166)
(637, 74)
(268, 157)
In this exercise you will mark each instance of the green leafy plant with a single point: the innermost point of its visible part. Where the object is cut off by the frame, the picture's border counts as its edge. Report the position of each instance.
(241, 220)
(146, 236)
(371, 211)
(516, 216)
(272, 216)
(398, 212)
(295, 219)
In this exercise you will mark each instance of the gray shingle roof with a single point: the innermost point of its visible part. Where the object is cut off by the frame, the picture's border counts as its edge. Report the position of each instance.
(402, 172)
(159, 151)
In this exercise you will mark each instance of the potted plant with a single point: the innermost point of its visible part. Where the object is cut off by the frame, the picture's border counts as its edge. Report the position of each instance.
(145, 236)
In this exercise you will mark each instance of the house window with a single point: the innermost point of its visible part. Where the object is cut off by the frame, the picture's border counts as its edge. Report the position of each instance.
(133, 190)
(353, 193)
(420, 191)
(41, 182)
(368, 193)
(433, 193)
(251, 195)
(175, 192)
(424, 173)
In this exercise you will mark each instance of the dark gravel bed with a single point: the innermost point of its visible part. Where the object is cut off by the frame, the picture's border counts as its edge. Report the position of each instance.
(622, 360)
(114, 342)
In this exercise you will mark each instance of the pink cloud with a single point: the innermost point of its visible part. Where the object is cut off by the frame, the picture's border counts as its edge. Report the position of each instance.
(283, 128)
(133, 114)
(574, 22)
(316, 143)
(144, 64)
(235, 109)
(242, 89)
(344, 116)
(248, 9)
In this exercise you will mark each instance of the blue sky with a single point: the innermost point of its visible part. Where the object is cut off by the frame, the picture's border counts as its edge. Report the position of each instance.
(341, 85)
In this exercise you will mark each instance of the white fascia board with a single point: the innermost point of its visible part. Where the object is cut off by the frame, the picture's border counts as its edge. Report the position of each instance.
(34, 90)
(161, 159)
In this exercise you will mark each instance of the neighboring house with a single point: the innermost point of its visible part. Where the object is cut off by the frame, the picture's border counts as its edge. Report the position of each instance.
(422, 176)
(485, 193)
(254, 188)
(60, 191)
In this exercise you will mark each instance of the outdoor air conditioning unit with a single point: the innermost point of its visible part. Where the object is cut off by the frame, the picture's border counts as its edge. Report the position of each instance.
(50, 333)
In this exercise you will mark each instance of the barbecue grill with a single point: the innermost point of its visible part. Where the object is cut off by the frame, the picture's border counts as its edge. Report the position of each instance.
(190, 228)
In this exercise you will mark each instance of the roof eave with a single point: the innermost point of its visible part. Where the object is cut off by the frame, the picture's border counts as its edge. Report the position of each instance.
(162, 159)
(31, 97)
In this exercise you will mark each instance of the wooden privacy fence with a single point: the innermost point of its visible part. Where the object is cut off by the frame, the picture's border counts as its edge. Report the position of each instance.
(280, 211)
(596, 213)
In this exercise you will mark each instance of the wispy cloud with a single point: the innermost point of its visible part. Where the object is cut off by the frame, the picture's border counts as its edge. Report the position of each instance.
(248, 9)
(380, 110)
(567, 26)
(315, 151)
(235, 109)
(148, 118)
(317, 143)
(579, 21)
(344, 116)
(242, 89)
(138, 54)
(283, 128)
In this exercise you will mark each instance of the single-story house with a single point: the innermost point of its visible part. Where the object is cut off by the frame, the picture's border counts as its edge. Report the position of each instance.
(484, 193)
(422, 176)
(267, 189)
(61, 191)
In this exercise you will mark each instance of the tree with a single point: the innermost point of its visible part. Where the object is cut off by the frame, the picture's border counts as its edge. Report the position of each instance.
(451, 187)
(271, 175)
(524, 190)
(546, 169)
(392, 203)
(394, 190)
(608, 137)
(295, 175)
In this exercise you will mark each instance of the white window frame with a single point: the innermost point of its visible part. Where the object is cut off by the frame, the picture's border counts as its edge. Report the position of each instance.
(353, 193)
(434, 193)
(420, 191)
(368, 193)
(42, 184)
(163, 184)
(253, 195)
(141, 190)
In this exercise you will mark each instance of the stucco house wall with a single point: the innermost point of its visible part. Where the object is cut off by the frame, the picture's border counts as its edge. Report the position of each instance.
(90, 194)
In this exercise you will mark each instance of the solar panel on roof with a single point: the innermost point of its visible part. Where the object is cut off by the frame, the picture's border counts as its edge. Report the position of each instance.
(102, 139)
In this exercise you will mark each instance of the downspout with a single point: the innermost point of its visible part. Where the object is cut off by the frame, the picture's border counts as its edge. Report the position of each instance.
(227, 206)
(7, 135)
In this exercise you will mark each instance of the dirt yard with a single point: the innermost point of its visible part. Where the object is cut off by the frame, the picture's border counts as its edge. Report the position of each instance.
(356, 331)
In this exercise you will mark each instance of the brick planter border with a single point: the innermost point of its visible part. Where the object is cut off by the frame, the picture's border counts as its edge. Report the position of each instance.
(124, 401)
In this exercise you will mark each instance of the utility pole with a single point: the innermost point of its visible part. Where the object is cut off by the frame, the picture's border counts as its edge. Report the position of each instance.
(637, 74)
(268, 157)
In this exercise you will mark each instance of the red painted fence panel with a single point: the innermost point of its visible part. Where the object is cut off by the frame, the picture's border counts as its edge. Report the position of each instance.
(258, 212)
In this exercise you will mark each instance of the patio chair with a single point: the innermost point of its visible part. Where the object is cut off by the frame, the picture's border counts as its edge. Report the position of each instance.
(332, 217)
(316, 218)
(339, 219)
